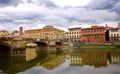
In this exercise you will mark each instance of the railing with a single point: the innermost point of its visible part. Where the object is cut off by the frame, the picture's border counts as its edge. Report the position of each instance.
(5, 38)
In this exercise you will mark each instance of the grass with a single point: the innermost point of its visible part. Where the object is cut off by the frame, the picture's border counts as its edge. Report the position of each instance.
(98, 46)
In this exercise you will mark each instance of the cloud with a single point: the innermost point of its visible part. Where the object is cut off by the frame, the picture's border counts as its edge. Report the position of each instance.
(30, 13)
(73, 3)
(46, 3)
(101, 4)
(110, 5)
(2, 27)
(4, 3)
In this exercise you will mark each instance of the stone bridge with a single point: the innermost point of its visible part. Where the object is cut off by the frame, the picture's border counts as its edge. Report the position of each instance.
(7, 46)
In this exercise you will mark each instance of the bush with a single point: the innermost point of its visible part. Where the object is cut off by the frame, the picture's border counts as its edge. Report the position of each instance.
(117, 46)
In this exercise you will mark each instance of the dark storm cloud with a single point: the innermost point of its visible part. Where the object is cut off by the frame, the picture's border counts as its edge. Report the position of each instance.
(102, 4)
(46, 3)
(109, 5)
(4, 3)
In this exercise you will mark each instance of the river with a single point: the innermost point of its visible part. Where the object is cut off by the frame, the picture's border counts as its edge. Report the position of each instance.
(63, 62)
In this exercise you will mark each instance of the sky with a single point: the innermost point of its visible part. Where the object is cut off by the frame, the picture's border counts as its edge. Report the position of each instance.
(63, 14)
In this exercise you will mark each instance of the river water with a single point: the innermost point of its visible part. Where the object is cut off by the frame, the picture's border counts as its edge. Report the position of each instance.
(63, 62)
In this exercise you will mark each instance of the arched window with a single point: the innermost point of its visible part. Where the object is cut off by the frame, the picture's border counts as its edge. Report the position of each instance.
(114, 35)
(111, 35)
(117, 35)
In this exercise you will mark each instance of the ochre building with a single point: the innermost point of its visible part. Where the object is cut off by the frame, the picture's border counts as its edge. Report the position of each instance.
(48, 32)
(4, 33)
(94, 34)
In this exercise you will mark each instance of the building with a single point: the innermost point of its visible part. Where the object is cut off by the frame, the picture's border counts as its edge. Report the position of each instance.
(18, 34)
(4, 33)
(94, 34)
(114, 34)
(15, 33)
(48, 32)
(66, 36)
(75, 34)
(52, 33)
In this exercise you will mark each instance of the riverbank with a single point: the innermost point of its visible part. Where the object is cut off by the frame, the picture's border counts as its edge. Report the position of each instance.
(97, 46)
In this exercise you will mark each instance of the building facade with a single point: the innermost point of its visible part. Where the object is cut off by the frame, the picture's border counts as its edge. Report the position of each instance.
(48, 32)
(75, 34)
(4, 33)
(95, 34)
(15, 33)
(114, 34)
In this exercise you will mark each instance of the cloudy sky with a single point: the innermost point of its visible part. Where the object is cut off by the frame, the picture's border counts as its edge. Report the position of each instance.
(33, 14)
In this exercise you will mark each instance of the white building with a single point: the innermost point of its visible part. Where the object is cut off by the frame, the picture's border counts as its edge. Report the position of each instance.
(114, 34)
(75, 34)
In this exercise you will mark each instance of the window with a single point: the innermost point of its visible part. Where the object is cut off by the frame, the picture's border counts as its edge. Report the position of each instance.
(114, 35)
(114, 30)
(117, 35)
(111, 35)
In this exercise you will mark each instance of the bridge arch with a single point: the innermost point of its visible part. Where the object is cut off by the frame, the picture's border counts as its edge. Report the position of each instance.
(58, 43)
(41, 43)
(5, 49)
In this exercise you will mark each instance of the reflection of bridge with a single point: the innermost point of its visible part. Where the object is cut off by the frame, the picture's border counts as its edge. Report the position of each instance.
(7, 46)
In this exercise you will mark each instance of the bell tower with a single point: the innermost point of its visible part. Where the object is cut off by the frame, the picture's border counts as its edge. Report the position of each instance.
(21, 30)
(119, 25)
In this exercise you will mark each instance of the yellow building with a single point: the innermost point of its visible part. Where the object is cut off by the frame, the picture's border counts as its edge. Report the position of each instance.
(48, 32)
(4, 33)
(37, 33)
(75, 34)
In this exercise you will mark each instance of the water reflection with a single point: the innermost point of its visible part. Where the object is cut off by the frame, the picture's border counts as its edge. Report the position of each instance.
(31, 53)
(53, 60)
(93, 58)
(115, 57)
(62, 62)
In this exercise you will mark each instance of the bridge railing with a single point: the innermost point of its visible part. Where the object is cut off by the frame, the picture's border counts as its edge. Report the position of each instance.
(5, 38)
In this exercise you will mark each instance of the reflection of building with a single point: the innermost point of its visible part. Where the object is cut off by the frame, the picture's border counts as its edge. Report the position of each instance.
(4, 33)
(95, 34)
(53, 61)
(31, 52)
(76, 59)
(48, 32)
(114, 34)
(96, 59)
(115, 57)
(75, 34)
